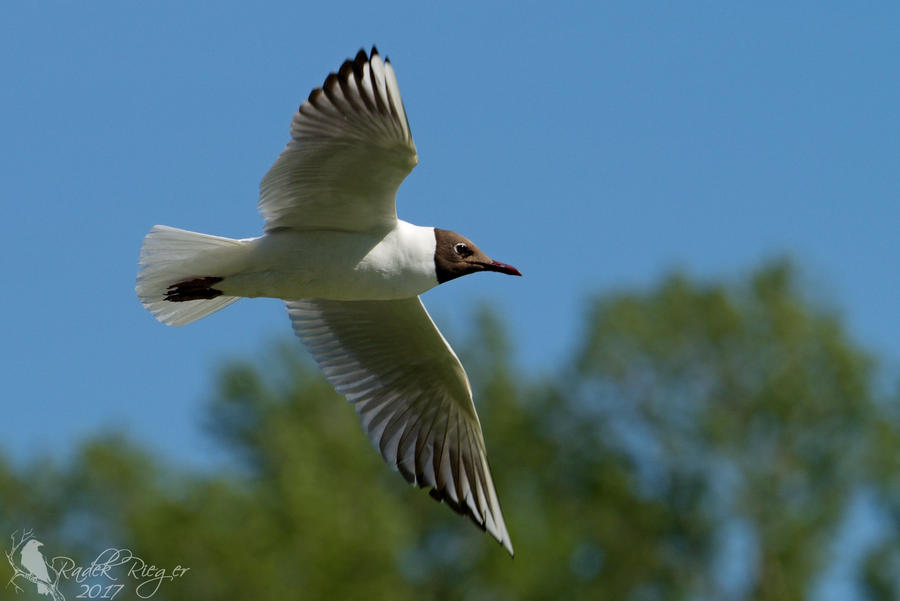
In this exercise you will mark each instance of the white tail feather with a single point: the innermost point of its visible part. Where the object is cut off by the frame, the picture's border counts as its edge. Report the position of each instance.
(170, 255)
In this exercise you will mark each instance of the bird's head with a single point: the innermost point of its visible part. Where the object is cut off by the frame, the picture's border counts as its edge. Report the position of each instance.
(456, 255)
(33, 544)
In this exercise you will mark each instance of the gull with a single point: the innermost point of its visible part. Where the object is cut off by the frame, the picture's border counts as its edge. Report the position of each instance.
(351, 274)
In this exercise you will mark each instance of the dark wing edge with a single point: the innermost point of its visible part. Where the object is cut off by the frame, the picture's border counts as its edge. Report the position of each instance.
(425, 426)
(350, 144)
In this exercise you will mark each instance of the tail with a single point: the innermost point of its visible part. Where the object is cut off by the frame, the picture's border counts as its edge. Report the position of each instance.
(178, 271)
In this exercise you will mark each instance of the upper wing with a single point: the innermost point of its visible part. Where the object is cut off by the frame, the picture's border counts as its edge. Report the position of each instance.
(350, 149)
(411, 393)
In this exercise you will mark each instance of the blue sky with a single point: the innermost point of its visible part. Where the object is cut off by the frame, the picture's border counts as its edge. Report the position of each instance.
(594, 146)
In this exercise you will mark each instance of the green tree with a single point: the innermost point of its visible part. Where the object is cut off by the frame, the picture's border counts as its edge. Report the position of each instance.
(755, 401)
(692, 420)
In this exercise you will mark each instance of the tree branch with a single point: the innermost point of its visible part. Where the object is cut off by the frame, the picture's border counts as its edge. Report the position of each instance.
(27, 535)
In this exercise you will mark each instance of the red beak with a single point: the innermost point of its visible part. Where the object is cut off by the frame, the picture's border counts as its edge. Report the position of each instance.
(501, 268)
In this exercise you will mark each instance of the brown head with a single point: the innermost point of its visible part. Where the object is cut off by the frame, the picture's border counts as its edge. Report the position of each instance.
(455, 256)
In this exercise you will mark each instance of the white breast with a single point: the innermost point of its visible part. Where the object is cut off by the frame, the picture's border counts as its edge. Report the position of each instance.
(290, 264)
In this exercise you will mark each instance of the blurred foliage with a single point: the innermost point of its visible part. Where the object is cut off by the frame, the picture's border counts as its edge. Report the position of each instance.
(705, 441)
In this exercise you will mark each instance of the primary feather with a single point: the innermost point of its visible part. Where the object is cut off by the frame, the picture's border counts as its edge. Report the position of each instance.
(350, 149)
(351, 273)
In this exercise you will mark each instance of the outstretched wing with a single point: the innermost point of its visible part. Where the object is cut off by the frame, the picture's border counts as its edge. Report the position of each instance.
(350, 149)
(411, 393)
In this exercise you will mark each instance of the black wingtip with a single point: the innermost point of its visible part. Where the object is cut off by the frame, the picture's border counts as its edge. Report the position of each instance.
(313, 97)
(346, 69)
(374, 51)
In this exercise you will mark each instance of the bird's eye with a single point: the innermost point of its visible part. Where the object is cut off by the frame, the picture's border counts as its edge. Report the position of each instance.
(462, 249)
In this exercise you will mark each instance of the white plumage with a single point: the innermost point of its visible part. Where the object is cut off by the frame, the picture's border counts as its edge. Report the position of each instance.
(32, 560)
(351, 273)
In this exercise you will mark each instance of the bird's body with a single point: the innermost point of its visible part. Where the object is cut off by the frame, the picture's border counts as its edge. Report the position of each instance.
(374, 265)
(32, 560)
(350, 273)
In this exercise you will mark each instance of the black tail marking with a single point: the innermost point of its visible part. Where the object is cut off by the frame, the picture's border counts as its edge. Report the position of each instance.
(196, 289)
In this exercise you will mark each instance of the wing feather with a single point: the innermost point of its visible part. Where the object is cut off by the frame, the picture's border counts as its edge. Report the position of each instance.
(350, 149)
(411, 393)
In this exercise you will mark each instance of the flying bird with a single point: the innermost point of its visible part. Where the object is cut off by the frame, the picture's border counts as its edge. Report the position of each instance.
(351, 274)
(32, 560)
